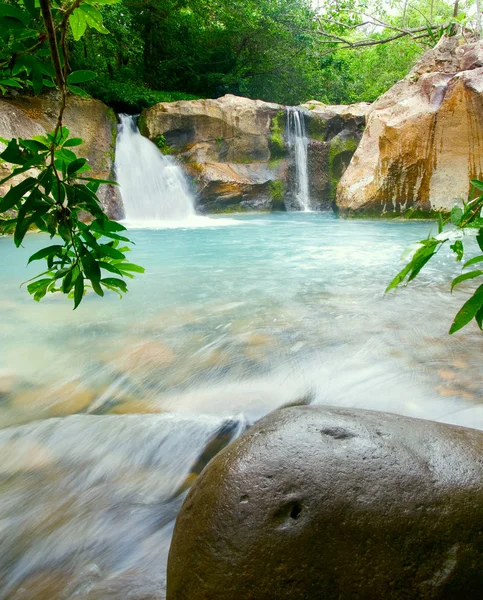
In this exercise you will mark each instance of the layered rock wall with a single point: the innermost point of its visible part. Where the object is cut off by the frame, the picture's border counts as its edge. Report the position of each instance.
(424, 138)
(236, 149)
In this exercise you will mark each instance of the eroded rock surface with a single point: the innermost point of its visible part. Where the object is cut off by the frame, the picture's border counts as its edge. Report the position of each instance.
(236, 149)
(423, 141)
(89, 119)
(329, 503)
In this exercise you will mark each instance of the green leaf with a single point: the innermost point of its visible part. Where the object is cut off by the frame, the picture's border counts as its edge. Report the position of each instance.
(468, 311)
(76, 165)
(473, 261)
(458, 249)
(479, 318)
(39, 284)
(33, 145)
(105, 225)
(131, 267)
(440, 223)
(16, 193)
(92, 271)
(107, 250)
(115, 282)
(13, 153)
(477, 184)
(12, 12)
(78, 290)
(93, 17)
(107, 181)
(80, 77)
(78, 91)
(73, 142)
(471, 275)
(11, 82)
(479, 238)
(456, 215)
(45, 252)
(78, 24)
(109, 267)
(43, 140)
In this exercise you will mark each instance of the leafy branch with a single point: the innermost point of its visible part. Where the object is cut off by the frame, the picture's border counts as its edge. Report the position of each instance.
(61, 199)
(468, 222)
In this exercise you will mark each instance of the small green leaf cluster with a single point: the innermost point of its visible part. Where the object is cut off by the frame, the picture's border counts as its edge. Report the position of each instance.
(467, 220)
(55, 202)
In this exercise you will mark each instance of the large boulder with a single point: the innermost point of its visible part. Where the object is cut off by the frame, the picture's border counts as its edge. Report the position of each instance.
(93, 121)
(330, 503)
(236, 149)
(423, 140)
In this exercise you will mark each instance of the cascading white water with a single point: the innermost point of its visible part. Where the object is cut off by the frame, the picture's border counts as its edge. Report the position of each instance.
(298, 143)
(154, 188)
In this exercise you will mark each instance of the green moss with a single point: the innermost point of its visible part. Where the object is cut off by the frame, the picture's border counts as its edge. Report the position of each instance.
(164, 148)
(277, 190)
(277, 130)
(337, 148)
(317, 129)
(142, 124)
(274, 163)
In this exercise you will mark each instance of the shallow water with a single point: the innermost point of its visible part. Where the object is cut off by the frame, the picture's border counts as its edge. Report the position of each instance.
(232, 322)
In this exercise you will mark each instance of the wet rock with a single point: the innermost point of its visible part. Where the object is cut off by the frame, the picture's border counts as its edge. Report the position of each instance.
(235, 149)
(320, 502)
(422, 144)
(141, 356)
(66, 399)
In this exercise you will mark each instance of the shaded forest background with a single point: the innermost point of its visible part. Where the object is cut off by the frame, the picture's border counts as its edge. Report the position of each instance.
(276, 50)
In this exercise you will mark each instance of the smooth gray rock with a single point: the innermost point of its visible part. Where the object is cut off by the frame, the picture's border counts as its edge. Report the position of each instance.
(328, 503)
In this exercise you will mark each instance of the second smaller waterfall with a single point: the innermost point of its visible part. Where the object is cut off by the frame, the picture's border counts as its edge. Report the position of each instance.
(298, 143)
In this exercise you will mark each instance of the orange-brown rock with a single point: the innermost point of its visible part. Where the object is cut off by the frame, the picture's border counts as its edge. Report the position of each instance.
(89, 119)
(424, 137)
(236, 151)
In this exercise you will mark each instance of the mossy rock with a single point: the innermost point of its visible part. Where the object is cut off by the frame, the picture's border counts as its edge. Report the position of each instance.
(277, 135)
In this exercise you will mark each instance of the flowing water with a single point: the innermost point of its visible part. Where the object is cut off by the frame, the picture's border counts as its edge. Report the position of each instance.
(298, 144)
(227, 324)
(154, 187)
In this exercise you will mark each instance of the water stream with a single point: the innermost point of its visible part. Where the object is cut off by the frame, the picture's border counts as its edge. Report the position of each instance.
(108, 413)
(298, 144)
(154, 188)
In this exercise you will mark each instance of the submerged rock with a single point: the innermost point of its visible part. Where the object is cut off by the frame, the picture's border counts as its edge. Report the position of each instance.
(236, 149)
(89, 119)
(320, 502)
(422, 144)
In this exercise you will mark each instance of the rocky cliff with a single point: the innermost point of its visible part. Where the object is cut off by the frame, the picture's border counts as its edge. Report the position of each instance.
(237, 152)
(86, 118)
(424, 138)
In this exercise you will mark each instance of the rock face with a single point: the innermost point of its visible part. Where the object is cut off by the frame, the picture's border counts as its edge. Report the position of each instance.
(423, 141)
(329, 503)
(236, 149)
(86, 118)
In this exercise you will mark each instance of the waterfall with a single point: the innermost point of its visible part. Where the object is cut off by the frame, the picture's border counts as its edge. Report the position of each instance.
(298, 143)
(153, 187)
